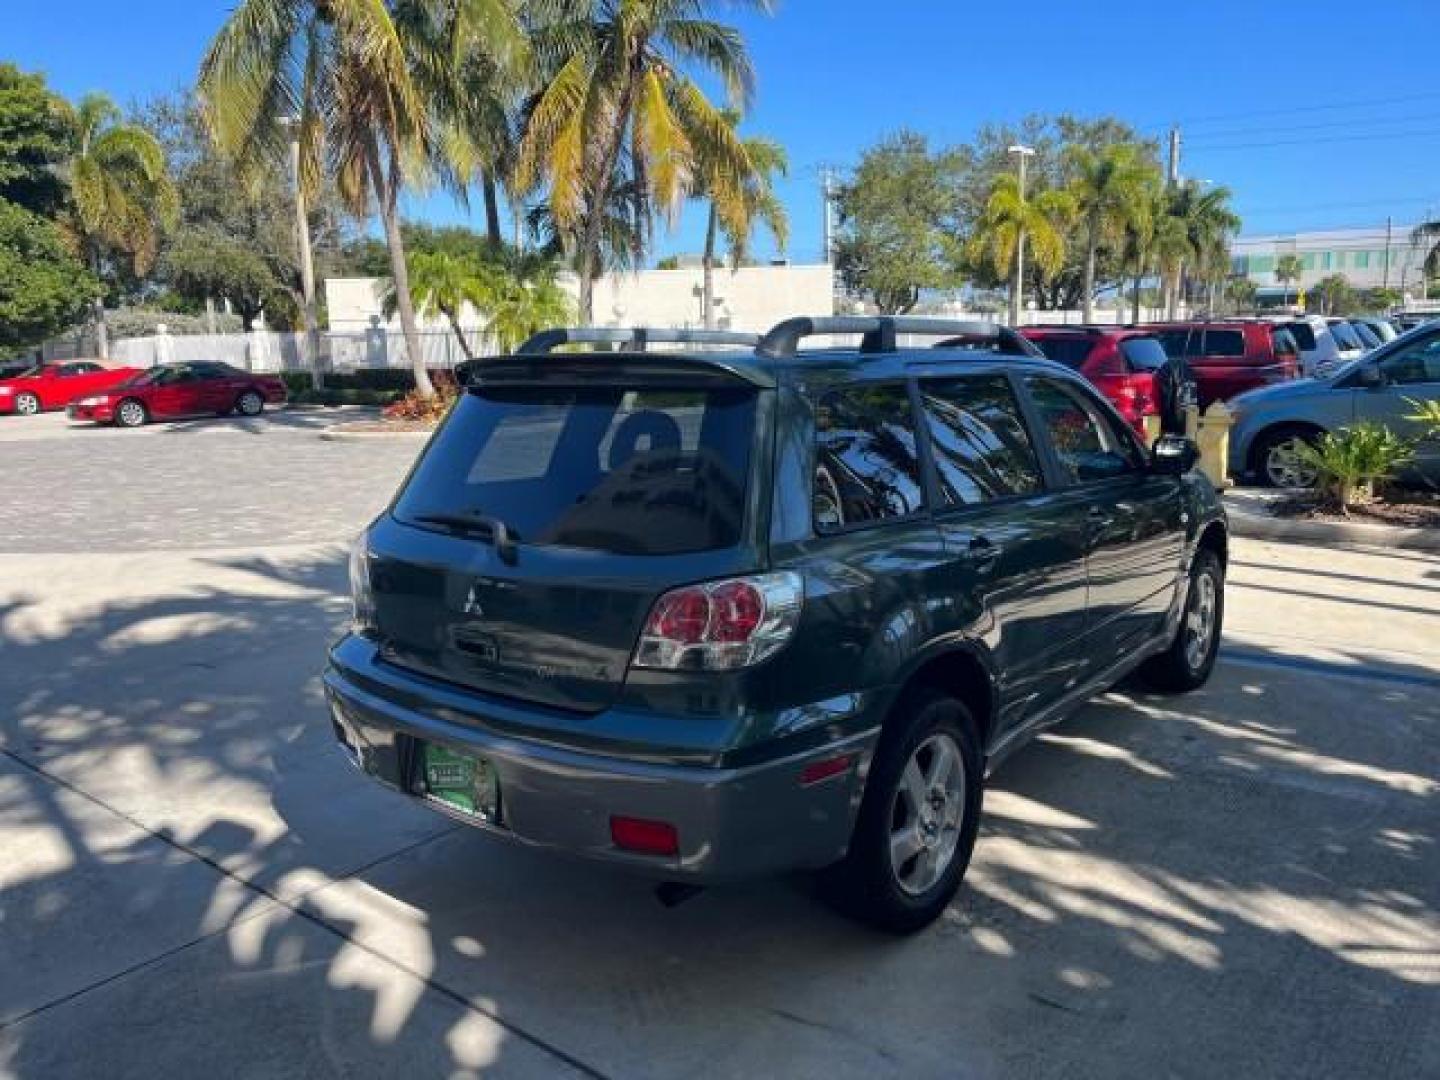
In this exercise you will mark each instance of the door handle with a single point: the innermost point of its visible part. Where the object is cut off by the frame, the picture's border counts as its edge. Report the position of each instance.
(982, 553)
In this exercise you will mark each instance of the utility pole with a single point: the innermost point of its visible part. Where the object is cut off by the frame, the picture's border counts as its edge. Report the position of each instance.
(827, 193)
(1173, 172)
(1017, 286)
(1389, 225)
(307, 262)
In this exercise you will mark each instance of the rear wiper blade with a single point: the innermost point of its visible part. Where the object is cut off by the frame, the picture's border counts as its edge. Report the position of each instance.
(477, 525)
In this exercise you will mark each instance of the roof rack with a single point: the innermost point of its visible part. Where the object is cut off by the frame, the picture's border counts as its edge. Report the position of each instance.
(878, 333)
(635, 338)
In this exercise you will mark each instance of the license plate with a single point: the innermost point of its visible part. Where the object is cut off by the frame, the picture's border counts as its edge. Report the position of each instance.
(460, 781)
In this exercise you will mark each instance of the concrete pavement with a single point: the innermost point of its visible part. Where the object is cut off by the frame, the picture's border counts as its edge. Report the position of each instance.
(1239, 882)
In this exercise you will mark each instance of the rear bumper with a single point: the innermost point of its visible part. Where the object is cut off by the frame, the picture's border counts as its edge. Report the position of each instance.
(732, 823)
(99, 414)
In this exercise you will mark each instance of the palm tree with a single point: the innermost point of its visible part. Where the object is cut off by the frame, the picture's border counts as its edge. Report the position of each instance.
(121, 195)
(445, 283)
(526, 297)
(614, 79)
(1010, 218)
(370, 81)
(738, 203)
(1202, 223)
(1288, 268)
(1138, 236)
(1428, 232)
(1108, 185)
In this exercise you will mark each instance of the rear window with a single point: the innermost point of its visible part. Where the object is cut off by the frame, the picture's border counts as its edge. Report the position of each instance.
(1070, 351)
(629, 472)
(1224, 343)
(1144, 354)
(1303, 333)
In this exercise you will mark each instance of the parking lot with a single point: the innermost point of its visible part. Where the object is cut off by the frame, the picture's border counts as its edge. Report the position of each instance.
(1241, 882)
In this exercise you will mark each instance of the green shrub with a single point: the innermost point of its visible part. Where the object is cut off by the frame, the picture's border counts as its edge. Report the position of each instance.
(341, 396)
(394, 380)
(1427, 413)
(1351, 462)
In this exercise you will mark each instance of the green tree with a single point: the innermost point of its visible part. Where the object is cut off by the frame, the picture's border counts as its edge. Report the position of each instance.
(444, 282)
(1198, 224)
(1428, 232)
(615, 93)
(36, 133)
(43, 287)
(738, 202)
(1040, 218)
(1334, 295)
(899, 223)
(369, 80)
(1109, 188)
(1241, 293)
(1288, 269)
(121, 197)
(525, 298)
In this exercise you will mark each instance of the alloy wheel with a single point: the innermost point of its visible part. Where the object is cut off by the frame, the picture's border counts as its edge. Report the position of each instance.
(926, 814)
(27, 404)
(1284, 467)
(251, 403)
(1200, 621)
(131, 413)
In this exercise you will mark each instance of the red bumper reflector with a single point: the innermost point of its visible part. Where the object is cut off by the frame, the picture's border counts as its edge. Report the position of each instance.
(823, 770)
(647, 837)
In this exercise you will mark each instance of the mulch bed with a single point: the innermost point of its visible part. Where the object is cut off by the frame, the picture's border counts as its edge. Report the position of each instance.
(1408, 508)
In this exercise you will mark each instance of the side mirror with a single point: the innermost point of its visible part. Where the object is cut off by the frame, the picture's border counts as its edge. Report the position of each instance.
(1174, 455)
(1370, 376)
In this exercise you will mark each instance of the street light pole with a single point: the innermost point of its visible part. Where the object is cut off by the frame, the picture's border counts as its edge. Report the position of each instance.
(307, 260)
(1017, 287)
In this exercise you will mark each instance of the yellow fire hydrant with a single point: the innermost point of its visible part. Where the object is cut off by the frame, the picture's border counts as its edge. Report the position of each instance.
(1213, 437)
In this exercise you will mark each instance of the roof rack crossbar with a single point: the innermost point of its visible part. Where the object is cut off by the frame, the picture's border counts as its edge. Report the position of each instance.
(636, 338)
(879, 333)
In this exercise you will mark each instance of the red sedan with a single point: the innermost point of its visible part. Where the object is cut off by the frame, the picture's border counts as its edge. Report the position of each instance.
(171, 391)
(53, 386)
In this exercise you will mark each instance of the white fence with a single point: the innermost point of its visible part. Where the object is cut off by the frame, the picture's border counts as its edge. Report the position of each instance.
(269, 350)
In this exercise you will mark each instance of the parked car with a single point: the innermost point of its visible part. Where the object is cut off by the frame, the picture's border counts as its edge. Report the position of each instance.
(1367, 337)
(708, 615)
(42, 387)
(171, 391)
(1383, 329)
(1320, 349)
(1352, 343)
(1128, 365)
(1271, 424)
(1230, 357)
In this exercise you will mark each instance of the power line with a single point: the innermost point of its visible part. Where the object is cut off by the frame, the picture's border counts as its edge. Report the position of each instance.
(1323, 125)
(1430, 134)
(1354, 103)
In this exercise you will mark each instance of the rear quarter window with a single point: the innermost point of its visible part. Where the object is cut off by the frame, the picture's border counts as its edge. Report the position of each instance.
(1224, 343)
(623, 471)
(1144, 354)
(1070, 351)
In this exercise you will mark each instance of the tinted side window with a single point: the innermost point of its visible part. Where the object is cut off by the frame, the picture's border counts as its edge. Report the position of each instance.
(982, 450)
(1283, 342)
(1088, 446)
(866, 465)
(1143, 354)
(1416, 363)
(1304, 334)
(1070, 351)
(1173, 341)
(1224, 343)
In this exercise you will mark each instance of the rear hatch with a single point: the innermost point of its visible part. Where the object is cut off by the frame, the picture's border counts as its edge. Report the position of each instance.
(528, 545)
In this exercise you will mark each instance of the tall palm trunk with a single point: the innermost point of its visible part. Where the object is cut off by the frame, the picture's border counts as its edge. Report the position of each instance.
(385, 196)
(492, 208)
(587, 259)
(102, 330)
(1135, 296)
(1173, 310)
(460, 335)
(1087, 301)
(707, 279)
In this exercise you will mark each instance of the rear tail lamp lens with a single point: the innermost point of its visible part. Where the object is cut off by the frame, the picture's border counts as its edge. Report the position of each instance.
(721, 625)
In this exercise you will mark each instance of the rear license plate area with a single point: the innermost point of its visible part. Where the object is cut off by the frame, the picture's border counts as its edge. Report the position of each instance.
(463, 783)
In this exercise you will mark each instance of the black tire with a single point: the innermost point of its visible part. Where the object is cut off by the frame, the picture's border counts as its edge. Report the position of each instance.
(866, 884)
(1274, 441)
(28, 405)
(1184, 665)
(131, 413)
(250, 403)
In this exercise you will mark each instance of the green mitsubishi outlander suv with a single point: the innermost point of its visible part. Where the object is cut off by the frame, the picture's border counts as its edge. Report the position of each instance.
(738, 606)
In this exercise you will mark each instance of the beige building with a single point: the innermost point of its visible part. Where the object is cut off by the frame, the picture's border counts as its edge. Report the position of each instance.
(750, 298)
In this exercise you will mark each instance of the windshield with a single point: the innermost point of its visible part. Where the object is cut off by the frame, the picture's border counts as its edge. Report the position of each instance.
(1367, 336)
(1345, 336)
(1303, 333)
(624, 471)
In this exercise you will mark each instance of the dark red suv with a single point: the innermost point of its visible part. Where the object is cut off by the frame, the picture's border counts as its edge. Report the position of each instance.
(1129, 366)
(1231, 357)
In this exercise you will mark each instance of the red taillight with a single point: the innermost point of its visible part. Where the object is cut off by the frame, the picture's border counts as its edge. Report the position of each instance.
(823, 770)
(721, 625)
(646, 837)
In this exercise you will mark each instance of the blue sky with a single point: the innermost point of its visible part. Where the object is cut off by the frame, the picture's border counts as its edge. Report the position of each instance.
(1321, 114)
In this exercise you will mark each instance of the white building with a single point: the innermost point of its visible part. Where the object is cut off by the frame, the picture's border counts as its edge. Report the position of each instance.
(1368, 258)
(750, 298)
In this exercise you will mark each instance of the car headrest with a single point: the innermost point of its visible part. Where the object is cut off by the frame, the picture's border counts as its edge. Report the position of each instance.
(657, 430)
